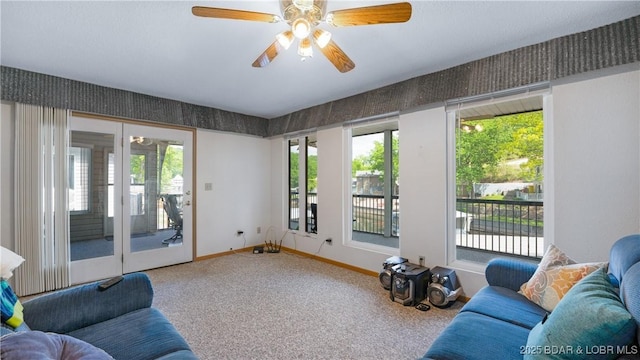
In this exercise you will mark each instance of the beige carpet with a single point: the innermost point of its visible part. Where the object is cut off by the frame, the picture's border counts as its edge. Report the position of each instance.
(284, 306)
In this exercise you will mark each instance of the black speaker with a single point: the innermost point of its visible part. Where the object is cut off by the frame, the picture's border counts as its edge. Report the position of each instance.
(387, 270)
(409, 283)
(444, 288)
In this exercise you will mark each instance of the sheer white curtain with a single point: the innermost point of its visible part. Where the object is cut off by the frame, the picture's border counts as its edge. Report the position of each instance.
(41, 199)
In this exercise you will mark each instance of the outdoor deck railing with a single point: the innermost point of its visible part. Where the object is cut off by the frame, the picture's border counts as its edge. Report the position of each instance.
(512, 227)
(369, 216)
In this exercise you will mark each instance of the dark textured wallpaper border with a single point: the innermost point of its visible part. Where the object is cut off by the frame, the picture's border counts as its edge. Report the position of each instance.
(40, 89)
(607, 46)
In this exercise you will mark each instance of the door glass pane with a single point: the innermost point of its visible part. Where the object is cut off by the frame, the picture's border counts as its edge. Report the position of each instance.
(155, 193)
(91, 229)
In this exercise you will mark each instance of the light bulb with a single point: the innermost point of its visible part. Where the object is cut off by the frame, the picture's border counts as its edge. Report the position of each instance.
(303, 4)
(285, 39)
(304, 48)
(322, 37)
(301, 28)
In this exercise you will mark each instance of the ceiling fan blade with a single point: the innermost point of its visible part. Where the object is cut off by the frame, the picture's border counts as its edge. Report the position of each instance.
(371, 15)
(337, 57)
(234, 14)
(268, 55)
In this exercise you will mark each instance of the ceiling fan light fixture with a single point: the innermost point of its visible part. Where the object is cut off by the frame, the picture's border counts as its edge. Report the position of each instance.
(304, 5)
(304, 48)
(321, 37)
(285, 39)
(301, 28)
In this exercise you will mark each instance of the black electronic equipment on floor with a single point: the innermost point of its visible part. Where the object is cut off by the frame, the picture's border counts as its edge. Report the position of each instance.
(409, 283)
(385, 274)
(444, 288)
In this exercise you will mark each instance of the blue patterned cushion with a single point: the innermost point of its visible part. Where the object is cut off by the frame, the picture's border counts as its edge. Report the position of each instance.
(10, 306)
(590, 320)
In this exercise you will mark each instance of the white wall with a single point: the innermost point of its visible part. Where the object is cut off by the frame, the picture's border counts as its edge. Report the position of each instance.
(239, 169)
(594, 161)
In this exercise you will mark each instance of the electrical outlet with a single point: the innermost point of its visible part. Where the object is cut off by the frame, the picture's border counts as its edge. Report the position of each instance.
(329, 241)
(258, 230)
(421, 260)
(239, 232)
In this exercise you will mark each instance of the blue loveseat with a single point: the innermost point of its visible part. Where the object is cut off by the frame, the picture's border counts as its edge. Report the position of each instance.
(118, 320)
(497, 321)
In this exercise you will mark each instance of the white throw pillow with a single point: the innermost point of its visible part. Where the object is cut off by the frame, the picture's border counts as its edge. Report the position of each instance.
(8, 262)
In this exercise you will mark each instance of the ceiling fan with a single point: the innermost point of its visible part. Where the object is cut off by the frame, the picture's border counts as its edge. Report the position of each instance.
(304, 16)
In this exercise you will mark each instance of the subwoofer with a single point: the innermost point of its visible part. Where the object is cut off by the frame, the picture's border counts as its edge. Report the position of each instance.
(444, 288)
(409, 283)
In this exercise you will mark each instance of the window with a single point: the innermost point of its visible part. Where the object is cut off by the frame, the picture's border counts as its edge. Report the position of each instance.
(294, 178)
(498, 180)
(79, 178)
(375, 189)
(311, 175)
(303, 157)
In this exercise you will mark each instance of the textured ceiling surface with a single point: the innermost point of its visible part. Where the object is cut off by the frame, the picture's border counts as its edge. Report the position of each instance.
(159, 48)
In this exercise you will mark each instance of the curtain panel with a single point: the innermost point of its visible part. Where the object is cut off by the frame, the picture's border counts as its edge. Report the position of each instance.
(41, 199)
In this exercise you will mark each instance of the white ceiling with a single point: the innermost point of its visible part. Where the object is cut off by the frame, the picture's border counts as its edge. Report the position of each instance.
(159, 48)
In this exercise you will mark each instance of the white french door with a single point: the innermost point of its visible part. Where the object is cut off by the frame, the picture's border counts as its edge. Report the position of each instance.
(157, 197)
(130, 197)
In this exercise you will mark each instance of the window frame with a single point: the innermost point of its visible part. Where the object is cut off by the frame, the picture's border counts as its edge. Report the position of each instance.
(451, 127)
(303, 208)
(388, 123)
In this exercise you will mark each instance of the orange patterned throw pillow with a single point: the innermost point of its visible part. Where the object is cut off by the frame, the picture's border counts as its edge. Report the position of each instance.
(555, 275)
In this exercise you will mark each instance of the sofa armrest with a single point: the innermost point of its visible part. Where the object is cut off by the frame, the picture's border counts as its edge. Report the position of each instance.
(509, 273)
(71, 309)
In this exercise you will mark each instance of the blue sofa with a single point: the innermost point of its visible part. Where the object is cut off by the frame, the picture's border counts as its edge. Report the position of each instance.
(118, 320)
(496, 322)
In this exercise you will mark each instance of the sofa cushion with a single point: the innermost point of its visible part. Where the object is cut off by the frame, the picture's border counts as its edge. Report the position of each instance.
(83, 305)
(506, 305)
(8, 262)
(40, 345)
(547, 287)
(555, 275)
(141, 334)
(472, 336)
(624, 253)
(591, 316)
(509, 273)
(11, 308)
(630, 294)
